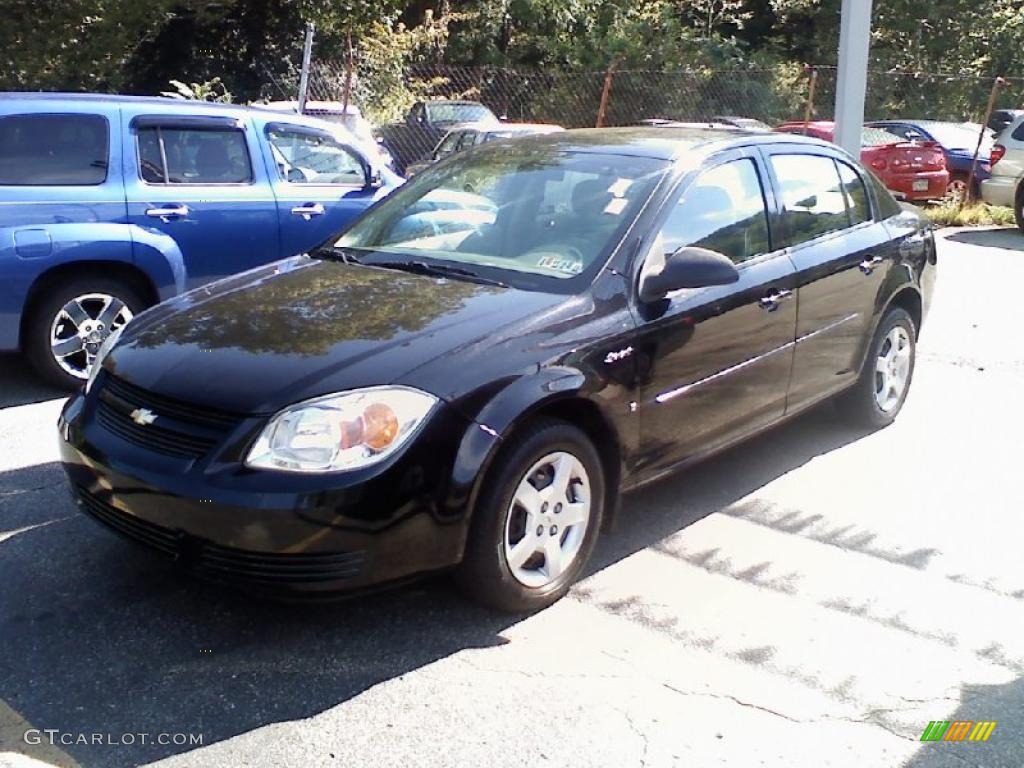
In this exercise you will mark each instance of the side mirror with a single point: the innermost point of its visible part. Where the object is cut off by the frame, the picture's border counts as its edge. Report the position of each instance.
(687, 267)
(371, 177)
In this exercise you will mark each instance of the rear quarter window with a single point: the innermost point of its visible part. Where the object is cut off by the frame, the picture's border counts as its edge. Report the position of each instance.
(53, 150)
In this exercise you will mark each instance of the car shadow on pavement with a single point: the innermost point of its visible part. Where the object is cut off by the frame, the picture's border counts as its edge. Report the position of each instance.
(19, 385)
(1007, 238)
(101, 636)
(980, 703)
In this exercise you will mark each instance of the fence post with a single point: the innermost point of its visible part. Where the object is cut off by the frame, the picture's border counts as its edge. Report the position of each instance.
(996, 85)
(307, 51)
(348, 74)
(606, 91)
(809, 110)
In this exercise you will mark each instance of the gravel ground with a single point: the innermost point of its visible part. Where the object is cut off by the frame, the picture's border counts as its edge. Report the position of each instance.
(814, 597)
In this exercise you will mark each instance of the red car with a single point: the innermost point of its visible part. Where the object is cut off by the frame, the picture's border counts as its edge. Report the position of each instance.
(911, 170)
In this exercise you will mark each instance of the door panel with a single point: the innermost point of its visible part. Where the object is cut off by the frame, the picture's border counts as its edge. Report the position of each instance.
(200, 181)
(714, 363)
(319, 184)
(840, 255)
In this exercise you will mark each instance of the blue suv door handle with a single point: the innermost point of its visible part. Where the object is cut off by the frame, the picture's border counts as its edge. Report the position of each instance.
(309, 210)
(169, 212)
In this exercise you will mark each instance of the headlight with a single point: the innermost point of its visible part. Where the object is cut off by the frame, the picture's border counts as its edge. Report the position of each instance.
(348, 430)
(101, 354)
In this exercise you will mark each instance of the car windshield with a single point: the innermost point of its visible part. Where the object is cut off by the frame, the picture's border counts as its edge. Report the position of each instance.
(460, 113)
(534, 217)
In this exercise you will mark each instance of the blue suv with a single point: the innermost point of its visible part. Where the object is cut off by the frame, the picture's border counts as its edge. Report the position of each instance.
(109, 204)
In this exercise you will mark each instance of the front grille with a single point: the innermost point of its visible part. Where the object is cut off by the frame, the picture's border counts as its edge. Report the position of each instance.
(269, 567)
(181, 430)
(227, 563)
(167, 541)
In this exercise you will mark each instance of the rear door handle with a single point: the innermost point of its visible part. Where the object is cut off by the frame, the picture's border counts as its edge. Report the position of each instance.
(868, 265)
(771, 301)
(168, 212)
(309, 210)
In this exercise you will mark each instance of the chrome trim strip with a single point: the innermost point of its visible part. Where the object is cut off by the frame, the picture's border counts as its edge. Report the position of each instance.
(828, 327)
(674, 393)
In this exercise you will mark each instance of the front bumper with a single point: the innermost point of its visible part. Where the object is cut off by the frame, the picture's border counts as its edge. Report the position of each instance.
(278, 531)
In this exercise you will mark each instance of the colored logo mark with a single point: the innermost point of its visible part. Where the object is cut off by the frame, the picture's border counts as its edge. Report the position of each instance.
(958, 730)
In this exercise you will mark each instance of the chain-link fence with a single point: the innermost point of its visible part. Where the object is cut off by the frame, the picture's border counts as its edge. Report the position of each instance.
(384, 91)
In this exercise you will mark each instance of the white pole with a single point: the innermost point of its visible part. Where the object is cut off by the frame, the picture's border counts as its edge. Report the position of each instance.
(852, 77)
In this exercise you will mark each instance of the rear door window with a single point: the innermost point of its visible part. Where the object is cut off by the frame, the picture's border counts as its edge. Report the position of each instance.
(54, 150)
(812, 196)
(173, 155)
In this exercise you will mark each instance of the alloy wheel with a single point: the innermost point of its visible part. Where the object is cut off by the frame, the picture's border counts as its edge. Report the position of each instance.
(547, 520)
(80, 327)
(892, 369)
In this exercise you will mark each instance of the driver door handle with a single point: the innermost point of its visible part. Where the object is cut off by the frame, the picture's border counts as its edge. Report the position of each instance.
(168, 212)
(309, 210)
(868, 265)
(771, 301)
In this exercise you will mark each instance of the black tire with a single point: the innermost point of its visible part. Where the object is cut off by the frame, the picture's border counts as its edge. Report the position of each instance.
(1018, 208)
(36, 339)
(485, 574)
(859, 403)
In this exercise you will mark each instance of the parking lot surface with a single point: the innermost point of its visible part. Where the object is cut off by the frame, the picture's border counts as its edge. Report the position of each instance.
(814, 597)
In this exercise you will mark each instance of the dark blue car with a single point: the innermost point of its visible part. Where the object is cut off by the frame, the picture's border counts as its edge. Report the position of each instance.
(958, 141)
(109, 204)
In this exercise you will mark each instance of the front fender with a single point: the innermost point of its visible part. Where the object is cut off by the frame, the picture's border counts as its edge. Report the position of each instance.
(495, 420)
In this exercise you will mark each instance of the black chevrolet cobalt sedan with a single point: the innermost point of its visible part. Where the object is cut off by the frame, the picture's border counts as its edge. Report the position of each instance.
(472, 372)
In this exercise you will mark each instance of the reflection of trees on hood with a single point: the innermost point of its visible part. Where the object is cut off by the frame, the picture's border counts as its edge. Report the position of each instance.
(308, 310)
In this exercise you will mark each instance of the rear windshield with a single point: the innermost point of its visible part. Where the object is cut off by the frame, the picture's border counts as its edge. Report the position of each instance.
(875, 137)
(53, 149)
(460, 113)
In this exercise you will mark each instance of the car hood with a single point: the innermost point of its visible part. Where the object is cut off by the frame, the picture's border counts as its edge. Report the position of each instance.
(304, 327)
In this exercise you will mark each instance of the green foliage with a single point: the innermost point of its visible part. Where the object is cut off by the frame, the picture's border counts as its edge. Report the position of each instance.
(211, 90)
(975, 215)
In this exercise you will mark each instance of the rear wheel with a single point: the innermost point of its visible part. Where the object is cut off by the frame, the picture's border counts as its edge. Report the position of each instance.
(67, 325)
(879, 394)
(1018, 208)
(536, 521)
(956, 191)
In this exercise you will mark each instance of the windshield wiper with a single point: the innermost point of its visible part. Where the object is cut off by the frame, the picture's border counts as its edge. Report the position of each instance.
(439, 270)
(335, 254)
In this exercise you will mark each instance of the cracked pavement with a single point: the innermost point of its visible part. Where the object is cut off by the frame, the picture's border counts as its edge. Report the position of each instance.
(814, 597)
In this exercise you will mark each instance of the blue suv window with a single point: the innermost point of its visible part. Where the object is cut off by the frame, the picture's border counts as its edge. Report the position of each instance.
(193, 156)
(53, 150)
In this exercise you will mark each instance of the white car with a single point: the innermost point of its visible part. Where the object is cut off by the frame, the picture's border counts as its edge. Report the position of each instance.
(1005, 186)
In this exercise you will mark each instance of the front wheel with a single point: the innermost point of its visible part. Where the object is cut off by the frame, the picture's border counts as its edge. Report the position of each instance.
(69, 322)
(884, 382)
(536, 520)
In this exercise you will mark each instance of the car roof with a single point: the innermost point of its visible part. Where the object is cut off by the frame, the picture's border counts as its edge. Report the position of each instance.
(116, 98)
(659, 143)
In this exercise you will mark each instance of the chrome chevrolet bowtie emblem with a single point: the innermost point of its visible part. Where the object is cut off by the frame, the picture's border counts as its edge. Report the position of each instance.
(142, 416)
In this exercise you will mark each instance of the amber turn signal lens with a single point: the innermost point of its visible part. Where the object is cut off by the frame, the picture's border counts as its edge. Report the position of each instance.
(380, 426)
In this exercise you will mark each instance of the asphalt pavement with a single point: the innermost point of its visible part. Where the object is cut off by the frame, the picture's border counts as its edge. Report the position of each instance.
(814, 597)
